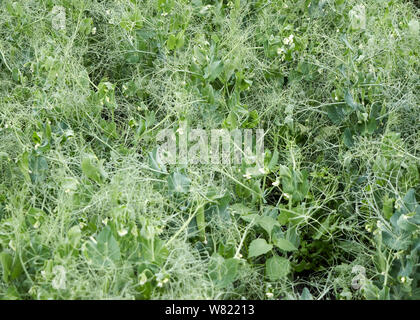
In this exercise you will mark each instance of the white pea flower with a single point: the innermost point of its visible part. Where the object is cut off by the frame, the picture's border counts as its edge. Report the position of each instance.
(263, 170)
(59, 281)
(247, 176)
(93, 240)
(238, 256)
(280, 50)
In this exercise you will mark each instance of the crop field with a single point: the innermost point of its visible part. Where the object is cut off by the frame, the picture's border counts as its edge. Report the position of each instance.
(106, 105)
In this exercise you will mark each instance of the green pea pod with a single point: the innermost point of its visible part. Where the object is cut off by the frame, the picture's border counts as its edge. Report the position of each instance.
(201, 223)
(6, 261)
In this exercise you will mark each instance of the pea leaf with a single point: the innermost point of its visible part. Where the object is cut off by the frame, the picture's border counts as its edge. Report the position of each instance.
(6, 261)
(274, 160)
(336, 113)
(267, 223)
(285, 171)
(306, 295)
(201, 223)
(93, 169)
(277, 267)
(171, 43)
(38, 167)
(213, 70)
(178, 183)
(413, 27)
(284, 244)
(156, 162)
(348, 98)
(348, 138)
(396, 242)
(105, 251)
(153, 250)
(258, 247)
(223, 271)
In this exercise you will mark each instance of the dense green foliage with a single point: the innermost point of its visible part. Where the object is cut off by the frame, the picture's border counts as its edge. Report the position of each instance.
(87, 210)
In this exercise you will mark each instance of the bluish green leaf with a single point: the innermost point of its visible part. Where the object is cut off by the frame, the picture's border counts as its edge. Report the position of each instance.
(104, 251)
(178, 183)
(258, 247)
(277, 267)
(284, 244)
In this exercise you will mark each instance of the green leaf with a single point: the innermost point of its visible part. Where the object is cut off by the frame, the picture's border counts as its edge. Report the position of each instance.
(178, 183)
(223, 271)
(404, 223)
(180, 40)
(213, 70)
(201, 223)
(38, 168)
(16, 74)
(336, 113)
(93, 169)
(170, 44)
(6, 261)
(74, 235)
(240, 209)
(410, 202)
(250, 217)
(292, 235)
(348, 98)
(12, 266)
(388, 207)
(277, 267)
(284, 244)
(153, 250)
(306, 295)
(395, 242)
(86, 26)
(258, 247)
(274, 160)
(371, 126)
(348, 138)
(156, 162)
(17, 268)
(285, 171)
(413, 27)
(284, 216)
(267, 223)
(231, 121)
(106, 251)
(23, 165)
